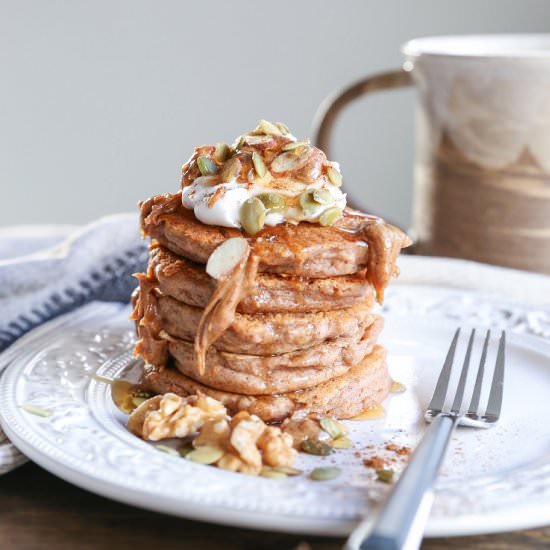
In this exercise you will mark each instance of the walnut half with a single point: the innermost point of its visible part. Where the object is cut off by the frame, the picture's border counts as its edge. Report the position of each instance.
(247, 442)
(169, 415)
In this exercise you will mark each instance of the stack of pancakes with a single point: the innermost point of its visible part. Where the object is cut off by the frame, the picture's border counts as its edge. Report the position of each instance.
(304, 336)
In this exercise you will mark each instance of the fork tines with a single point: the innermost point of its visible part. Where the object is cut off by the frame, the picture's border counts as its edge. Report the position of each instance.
(472, 416)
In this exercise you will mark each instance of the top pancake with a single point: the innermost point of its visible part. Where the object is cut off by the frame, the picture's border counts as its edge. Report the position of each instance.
(305, 249)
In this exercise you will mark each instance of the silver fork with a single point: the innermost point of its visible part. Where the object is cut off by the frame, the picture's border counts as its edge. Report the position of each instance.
(400, 523)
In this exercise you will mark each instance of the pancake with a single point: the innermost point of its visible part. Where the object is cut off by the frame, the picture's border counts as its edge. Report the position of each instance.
(267, 333)
(188, 282)
(305, 249)
(362, 387)
(257, 375)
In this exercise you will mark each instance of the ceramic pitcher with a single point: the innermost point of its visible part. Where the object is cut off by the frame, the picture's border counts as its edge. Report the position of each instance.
(482, 168)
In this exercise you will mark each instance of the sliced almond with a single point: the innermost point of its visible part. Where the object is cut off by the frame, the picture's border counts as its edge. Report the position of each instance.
(260, 142)
(231, 169)
(283, 127)
(292, 161)
(240, 142)
(294, 145)
(269, 128)
(226, 257)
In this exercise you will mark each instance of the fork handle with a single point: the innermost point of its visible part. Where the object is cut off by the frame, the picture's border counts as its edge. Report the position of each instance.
(400, 523)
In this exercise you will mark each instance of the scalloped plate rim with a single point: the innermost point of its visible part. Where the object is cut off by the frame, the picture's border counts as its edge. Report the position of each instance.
(531, 515)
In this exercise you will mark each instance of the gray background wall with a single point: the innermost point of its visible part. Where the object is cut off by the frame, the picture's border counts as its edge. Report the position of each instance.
(102, 101)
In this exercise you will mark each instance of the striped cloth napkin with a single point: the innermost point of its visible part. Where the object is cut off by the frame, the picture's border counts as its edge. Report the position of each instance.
(49, 270)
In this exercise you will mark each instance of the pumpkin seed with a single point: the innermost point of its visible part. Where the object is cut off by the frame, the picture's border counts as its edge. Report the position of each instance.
(269, 128)
(272, 474)
(316, 447)
(222, 152)
(332, 427)
(37, 411)
(334, 176)
(330, 216)
(397, 387)
(141, 393)
(231, 169)
(341, 442)
(326, 473)
(294, 145)
(288, 470)
(273, 202)
(205, 455)
(252, 215)
(167, 450)
(207, 166)
(307, 203)
(185, 449)
(259, 164)
(137, 401)
(322, 196)
(384, 475)
(283, 127)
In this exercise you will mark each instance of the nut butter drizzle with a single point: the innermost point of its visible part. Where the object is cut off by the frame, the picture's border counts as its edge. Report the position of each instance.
(220, 310)
(158, 206)
(384, 242)
(150, 345)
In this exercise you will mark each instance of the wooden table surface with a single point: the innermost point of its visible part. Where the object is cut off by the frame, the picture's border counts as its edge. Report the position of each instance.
(38, 510)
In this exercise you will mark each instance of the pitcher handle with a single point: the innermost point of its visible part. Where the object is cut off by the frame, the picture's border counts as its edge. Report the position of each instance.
(331, 107)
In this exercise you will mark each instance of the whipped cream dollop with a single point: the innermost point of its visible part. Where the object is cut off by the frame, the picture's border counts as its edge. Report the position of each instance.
(221, 204)
(266, 177)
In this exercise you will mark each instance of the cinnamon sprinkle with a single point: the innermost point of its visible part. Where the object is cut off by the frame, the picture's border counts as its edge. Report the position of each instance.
(398, 450)
(375, 462)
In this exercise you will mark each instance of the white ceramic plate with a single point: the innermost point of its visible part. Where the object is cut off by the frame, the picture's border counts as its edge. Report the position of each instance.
(495, 480)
